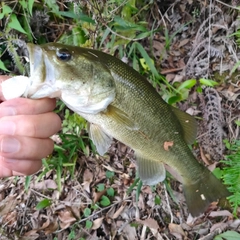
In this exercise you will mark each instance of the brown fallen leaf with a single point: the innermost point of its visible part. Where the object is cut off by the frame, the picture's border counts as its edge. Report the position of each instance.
(149, 222)
(176, 230)
(87, 180)
(97, 223)
(8, 204)
(119, 211)
(97, 195)
(166, 145)
(66, 218)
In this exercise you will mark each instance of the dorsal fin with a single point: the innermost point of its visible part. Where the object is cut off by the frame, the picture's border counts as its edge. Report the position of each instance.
(188, 123)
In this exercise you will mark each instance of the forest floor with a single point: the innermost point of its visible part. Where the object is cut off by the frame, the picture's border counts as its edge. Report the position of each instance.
(95, 201)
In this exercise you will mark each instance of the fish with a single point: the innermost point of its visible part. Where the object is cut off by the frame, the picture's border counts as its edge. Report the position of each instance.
(119, 103)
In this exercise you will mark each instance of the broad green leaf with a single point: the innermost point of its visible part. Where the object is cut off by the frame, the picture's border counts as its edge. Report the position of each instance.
(122, 24)
(237, 122)
(208, 82)
(30, 6)
(105, 201)
(5, 10)
(100, 187)
(187, 84)
(88, 224)
(87, 212)
(109, 174)
(110, 192)
(43, 204)
(218, 172)
(14, 23)
(228, 235)
(144, 35)
(2, 66)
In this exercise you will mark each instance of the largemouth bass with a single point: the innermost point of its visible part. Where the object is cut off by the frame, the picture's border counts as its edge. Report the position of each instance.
(120, 103)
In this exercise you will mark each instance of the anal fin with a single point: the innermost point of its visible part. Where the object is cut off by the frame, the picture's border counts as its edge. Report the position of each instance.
(100, 139)
(150, 172)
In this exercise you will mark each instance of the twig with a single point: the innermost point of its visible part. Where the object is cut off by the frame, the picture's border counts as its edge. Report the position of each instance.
(101, 210)
(168, 204)
(227, 5)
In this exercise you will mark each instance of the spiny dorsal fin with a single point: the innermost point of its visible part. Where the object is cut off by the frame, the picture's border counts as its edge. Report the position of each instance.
(100, 139)
(188, 123)
(150, 172)
(121, 117)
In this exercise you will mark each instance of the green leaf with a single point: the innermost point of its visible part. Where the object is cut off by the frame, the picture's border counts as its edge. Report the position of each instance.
(105, 201)
(237, 122)
(27, 182)
(100, 187)
(88, 224)
(147, 59)
(157, 200)
(2, 66)
(5, 11)
(30, 6)
(43, 204)
(110, 192)
(235, 67)
(187, 84)
(14, 23)
(87, 212)
(109, 174)
(228, 235)
(208, 82)
(218, 172)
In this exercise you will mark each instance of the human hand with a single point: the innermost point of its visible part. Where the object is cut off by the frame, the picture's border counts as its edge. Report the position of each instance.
(25, 128)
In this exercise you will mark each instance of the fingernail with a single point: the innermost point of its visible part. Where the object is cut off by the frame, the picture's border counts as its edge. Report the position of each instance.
(9, 145)
(7, 127)
(7, 111)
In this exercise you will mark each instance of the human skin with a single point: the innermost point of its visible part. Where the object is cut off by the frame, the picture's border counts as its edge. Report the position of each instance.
(25, 128)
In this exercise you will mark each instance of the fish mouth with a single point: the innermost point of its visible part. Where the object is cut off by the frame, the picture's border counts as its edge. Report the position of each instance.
(42, 77)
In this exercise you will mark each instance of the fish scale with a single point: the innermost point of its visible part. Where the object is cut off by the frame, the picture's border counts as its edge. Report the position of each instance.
(120, 103)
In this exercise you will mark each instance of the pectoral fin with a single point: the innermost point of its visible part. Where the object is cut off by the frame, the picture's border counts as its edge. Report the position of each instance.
(121, 117)
(188, 123)
(150, 172)
(100, 139)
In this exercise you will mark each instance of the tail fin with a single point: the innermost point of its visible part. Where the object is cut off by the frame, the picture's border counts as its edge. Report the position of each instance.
(201, 193)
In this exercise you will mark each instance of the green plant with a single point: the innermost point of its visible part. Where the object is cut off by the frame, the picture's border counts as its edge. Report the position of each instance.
(231, 173)
(228, 235)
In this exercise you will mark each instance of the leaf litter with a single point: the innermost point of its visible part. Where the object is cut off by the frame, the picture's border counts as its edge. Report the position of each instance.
(201, 46)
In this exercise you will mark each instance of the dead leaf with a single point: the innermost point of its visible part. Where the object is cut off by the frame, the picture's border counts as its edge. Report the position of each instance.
(166, 145)
(119, 211)
(97, 223)
(8, 204)
(46, 184)
(149, 222)
(66, 217)
(222, 213)
(183, 42)
(97, 195)
(87, 180)
(176, 230)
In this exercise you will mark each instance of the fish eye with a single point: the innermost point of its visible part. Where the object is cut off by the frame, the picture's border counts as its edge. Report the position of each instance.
(63, 54)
